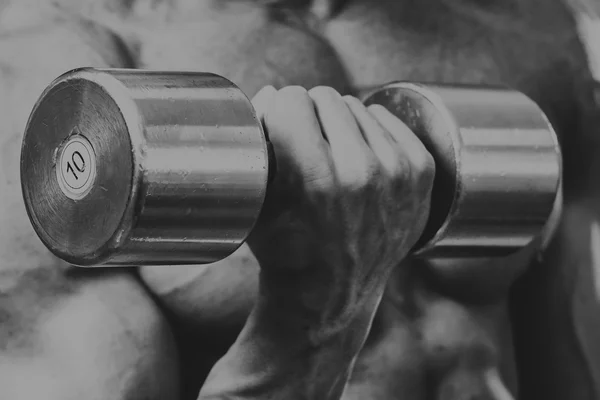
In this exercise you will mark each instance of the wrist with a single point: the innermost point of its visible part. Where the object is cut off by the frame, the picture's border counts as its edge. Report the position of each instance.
(311, 325)
(279, 356)
(314, 309)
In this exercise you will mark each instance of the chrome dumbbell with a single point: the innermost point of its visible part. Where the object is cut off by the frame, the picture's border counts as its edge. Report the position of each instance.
(133, 167)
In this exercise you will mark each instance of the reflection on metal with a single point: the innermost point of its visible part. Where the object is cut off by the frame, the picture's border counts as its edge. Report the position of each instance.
(129, 167)
(179, 165)
(498, 165)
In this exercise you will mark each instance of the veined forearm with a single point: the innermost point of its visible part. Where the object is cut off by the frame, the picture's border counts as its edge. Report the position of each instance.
(277, 358)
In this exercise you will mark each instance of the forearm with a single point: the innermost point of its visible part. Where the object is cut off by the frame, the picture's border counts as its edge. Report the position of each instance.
(279, 357)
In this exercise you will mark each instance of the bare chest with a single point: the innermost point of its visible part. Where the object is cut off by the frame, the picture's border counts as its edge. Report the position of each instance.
(531, 45)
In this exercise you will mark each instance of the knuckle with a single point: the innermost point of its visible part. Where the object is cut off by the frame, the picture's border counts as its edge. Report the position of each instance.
(319, 181)
(352, 99)
(286, 105)
(360, 174)
(292, 94)
(390, 166)
(394, 163)
(398, 167)
(424, 165)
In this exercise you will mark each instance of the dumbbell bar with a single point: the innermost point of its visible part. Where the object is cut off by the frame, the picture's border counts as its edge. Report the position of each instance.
(131, 167)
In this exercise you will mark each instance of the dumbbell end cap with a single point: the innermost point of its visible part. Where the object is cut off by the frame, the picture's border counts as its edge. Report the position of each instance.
(498, 165)
(78, 157)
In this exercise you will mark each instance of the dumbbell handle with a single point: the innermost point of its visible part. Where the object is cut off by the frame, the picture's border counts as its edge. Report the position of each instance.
(131, 167)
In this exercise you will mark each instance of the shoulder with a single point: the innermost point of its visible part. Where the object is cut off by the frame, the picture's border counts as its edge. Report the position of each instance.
(59, 325)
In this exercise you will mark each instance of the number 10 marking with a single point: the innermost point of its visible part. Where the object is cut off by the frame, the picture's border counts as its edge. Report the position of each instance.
(74, 162)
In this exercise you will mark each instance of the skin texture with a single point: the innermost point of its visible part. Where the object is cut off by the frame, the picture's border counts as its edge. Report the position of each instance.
(324, 265)
(66, 335)
(190, 316)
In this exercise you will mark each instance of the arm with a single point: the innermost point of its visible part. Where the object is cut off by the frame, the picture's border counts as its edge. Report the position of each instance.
(333, 227)
(275, 357)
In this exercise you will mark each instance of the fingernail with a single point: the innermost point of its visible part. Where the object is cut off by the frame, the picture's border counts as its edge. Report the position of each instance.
(351, 100)
(377, 108)
(324, 93)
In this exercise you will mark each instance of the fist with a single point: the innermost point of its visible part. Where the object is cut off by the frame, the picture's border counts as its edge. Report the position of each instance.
(349, 199)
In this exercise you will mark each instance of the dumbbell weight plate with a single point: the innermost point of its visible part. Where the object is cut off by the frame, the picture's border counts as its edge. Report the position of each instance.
(498, 165)
(126, 167)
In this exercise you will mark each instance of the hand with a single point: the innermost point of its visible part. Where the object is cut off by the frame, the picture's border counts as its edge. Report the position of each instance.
(350, 198)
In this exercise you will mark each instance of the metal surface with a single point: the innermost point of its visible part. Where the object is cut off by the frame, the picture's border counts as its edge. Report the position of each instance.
(498, 165)
(126, 167)
(130, 167)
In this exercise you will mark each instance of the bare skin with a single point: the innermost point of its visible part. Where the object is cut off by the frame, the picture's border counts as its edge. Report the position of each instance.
(324, 266)
(360, 46)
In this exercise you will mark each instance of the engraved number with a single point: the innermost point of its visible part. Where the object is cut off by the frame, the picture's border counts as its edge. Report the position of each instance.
(78, 162)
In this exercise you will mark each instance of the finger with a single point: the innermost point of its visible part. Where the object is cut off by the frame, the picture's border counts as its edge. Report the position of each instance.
(262, 99)
(377, 137)
(296, 135)
(404, 136)
(398, 130)
(348, 147)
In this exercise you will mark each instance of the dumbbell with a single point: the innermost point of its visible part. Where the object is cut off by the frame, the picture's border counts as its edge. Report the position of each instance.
(135, 167)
